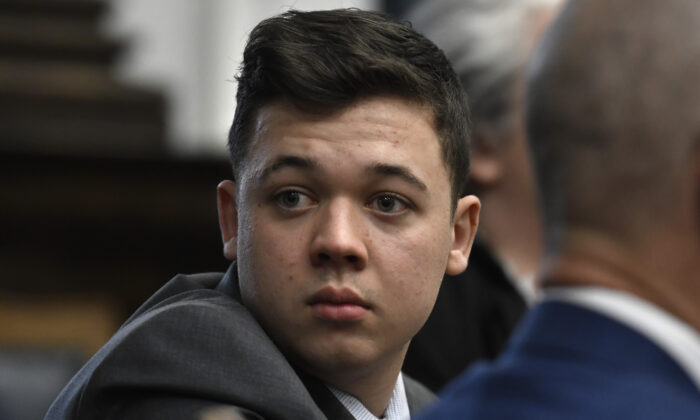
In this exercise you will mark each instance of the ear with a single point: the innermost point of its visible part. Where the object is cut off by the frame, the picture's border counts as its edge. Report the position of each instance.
(466, 221)
(486, 167)
(228, 217)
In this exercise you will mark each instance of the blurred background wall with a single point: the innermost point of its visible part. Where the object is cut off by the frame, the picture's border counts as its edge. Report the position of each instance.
(193, 54)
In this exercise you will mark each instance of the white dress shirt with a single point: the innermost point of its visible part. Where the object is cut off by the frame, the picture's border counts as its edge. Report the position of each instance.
(524, 284)
(678, 339)
(396, 410)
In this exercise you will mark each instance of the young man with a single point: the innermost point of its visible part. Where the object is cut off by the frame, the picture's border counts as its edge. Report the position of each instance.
(349, 152)
(613, 122)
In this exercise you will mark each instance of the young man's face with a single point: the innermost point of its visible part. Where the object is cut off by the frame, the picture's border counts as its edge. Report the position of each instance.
(343, 231)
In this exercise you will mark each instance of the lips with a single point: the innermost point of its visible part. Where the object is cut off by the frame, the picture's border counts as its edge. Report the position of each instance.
(339, 305)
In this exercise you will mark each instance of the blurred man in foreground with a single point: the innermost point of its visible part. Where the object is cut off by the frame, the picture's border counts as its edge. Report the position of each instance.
(613, 121)
(349, 152)
(489, 43)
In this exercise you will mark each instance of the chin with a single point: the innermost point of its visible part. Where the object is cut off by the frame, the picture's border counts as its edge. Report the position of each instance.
(327, 359)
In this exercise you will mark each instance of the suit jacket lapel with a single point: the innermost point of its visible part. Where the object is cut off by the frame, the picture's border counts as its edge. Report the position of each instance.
(324, 398)
(418, 396)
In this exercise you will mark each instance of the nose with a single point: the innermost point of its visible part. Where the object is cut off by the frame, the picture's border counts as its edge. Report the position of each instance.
(339, 237)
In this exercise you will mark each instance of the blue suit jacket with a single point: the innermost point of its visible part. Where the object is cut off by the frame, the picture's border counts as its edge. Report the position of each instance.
(567, 362)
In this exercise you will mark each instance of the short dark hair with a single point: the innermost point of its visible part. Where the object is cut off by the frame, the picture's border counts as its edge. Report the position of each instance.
(324, 61)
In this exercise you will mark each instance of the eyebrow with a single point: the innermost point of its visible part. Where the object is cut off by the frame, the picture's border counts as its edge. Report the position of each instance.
(286, 161)
(397, 171)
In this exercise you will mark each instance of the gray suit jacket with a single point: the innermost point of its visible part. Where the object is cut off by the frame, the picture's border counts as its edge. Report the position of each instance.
(193, 346)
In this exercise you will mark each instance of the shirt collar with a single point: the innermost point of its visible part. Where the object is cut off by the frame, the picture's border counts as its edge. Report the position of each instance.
(678, 339)
(396, 410)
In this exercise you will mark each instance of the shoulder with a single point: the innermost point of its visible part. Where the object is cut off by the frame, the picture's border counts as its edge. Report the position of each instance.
(177, 288)
(194, 346)
(488, 393)
(554, 370)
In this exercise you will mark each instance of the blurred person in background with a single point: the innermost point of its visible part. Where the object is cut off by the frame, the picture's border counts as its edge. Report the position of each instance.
(489, 43)
(613, 122)
(349, 149)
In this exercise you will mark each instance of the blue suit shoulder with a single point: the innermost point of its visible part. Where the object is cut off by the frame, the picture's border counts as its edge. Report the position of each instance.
(568, 362)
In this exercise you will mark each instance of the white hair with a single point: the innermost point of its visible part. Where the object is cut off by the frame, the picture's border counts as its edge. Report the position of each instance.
(488, 43)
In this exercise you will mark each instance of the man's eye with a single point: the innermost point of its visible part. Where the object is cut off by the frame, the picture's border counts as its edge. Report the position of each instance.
(388, 203)
(293, 199)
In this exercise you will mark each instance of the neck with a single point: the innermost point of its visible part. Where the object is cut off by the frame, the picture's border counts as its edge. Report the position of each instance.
(372, 385)
(657, 272)
(513, 240)
(373, 389)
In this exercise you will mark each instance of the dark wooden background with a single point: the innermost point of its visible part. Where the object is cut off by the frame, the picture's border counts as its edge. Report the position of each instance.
(95, 212)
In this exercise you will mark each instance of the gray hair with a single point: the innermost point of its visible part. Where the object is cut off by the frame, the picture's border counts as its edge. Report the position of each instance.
(488, 43)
